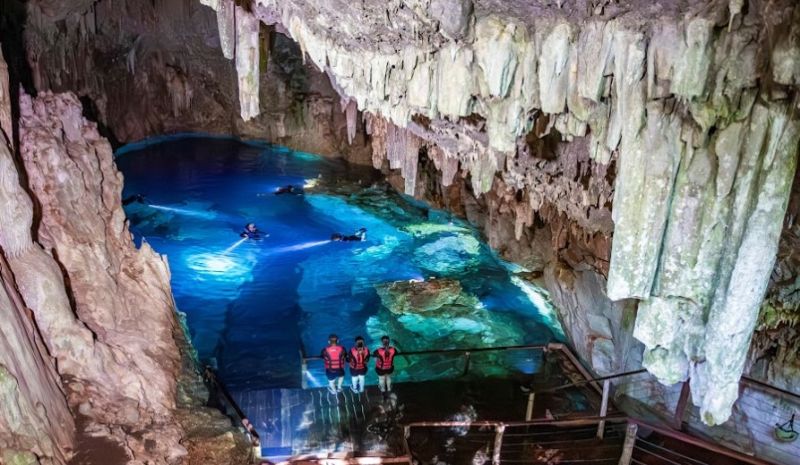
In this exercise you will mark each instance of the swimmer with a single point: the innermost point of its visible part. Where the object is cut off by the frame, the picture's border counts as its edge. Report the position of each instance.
(251, 232)
(358, 236)
(138, 198)
(290, 189)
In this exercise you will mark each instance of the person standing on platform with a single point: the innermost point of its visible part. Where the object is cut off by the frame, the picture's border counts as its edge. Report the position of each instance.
(334, 358)
(384, 365)
(358, 356)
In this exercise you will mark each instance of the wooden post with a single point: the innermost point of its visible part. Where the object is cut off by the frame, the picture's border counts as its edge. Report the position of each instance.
(601, 427)
(680, 409)
(498, 444)
(627, 446)
(529, 410)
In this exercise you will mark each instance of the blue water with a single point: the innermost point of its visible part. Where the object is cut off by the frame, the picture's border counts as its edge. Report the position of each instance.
(252, 306)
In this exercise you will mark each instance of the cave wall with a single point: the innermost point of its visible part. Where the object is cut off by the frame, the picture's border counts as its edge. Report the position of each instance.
(90, 318)
(695, 103)
(529, 120)
(35, 420)
(147, 68)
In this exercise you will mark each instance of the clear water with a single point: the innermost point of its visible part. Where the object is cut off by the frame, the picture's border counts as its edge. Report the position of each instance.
(252, 306)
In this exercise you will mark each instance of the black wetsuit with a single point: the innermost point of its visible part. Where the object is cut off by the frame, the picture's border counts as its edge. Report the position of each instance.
(247, 234)
(289, 190)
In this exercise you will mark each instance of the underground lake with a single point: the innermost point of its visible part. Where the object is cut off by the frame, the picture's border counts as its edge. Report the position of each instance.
(253, 306)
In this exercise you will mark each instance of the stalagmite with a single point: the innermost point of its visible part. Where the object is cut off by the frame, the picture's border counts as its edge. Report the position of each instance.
(116, 344)
(33, 409)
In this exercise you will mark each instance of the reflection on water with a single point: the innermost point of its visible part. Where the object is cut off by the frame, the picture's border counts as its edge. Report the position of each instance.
(252, 305)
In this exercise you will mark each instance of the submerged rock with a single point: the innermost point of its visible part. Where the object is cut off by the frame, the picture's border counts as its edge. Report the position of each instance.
(448, 254)
(432, 298)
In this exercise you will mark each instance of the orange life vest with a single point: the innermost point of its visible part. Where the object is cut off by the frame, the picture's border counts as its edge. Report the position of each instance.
(334, 357)
(385, 358)
(358, 358)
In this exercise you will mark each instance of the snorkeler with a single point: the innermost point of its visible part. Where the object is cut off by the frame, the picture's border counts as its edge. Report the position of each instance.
(334, 357)
(358, 357)
(290, 189)
(138, 198)
(251, 232)
(358, 236)
(384, 365)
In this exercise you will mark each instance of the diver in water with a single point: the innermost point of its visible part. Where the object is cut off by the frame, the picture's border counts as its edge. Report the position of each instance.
(138, 198)
(358, 236)
(250, 232)
(290, 189)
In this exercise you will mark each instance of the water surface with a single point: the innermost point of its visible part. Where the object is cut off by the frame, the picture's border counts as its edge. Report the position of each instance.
(252, 306)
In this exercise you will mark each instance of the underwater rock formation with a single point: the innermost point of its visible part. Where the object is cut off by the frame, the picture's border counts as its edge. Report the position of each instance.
(440, 313)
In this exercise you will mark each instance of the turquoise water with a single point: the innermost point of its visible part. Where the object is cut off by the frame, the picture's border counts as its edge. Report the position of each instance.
(252, 306)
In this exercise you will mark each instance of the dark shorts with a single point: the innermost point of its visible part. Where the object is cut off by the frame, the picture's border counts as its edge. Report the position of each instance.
(333, 374)
(358, 372)
(382, 372)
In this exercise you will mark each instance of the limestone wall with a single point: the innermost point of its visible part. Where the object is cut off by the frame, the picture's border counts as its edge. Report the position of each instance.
(35, 422)
(696, 107)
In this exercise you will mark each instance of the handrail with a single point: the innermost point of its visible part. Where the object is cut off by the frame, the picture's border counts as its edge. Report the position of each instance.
(593, 380)
(211, 377)
(583, 421)
(770, 388)
(456, 351)
(683, 437)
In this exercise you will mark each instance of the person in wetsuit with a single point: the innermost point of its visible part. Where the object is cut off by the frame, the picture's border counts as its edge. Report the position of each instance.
(358, 357)
(334, 357)
(250, 232)
(138, 198)
(358, 236)
(290, 189)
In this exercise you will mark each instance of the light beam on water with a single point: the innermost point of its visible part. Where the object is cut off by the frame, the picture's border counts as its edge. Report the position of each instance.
(206, 215)
(234, 246)
(303, 246)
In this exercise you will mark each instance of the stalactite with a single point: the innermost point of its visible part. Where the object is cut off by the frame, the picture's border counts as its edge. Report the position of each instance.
(351, 115)
(247, 62)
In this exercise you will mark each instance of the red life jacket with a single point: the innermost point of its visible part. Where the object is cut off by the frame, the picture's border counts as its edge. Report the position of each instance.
(334, 357)
(385, 358)
(358, 358)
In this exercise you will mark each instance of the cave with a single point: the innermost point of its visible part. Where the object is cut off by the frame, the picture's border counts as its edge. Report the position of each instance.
(545, 231)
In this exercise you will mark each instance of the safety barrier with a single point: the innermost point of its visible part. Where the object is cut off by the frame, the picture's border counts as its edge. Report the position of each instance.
(632, 447)
(468, 358)
(231, 408)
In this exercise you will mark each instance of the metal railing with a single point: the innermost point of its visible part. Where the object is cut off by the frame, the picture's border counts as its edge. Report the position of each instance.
(233, 409)
(500, 428)
(466, 354)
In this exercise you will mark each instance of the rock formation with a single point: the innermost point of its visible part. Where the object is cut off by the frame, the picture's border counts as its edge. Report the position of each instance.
(694, 105)
(120, 348)
(531, 119)
(34, 417)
